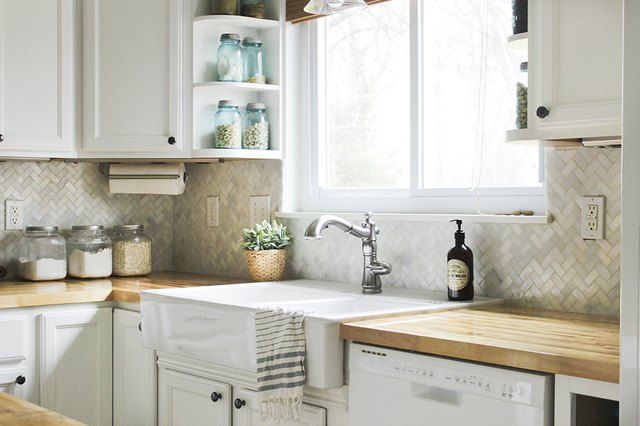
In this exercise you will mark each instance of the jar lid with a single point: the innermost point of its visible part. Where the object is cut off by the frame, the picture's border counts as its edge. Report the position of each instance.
(252, 40)
(256, 105)
(128, 228)
(87, 228)
(29, 229)
(227, 103)
(230, 36)
(524, 66)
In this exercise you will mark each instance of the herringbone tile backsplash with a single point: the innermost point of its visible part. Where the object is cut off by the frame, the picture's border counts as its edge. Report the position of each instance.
(67, 194)
(545, 266)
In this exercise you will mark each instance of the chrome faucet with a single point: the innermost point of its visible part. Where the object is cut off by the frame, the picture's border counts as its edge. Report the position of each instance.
(367, 231)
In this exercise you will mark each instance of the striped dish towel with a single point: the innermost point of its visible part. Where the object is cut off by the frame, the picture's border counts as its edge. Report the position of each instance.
(280, 346)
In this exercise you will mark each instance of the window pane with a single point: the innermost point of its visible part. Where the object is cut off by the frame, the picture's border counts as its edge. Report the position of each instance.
(470, 77)
(367, 98)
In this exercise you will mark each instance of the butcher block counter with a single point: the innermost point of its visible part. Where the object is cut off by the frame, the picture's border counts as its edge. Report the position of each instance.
(18, 294)
(547, 341)
(17, 412)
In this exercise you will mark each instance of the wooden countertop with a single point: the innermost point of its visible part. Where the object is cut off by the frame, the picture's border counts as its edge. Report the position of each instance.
(552, 342)
(18, 294)
(17, 412)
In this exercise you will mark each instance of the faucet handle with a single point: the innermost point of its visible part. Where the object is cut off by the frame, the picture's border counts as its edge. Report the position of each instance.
(367, 215)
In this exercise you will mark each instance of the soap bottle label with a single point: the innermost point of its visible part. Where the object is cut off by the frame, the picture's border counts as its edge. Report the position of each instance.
(457, 274)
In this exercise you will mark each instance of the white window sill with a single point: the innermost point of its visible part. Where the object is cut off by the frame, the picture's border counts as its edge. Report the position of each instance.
(405, 217)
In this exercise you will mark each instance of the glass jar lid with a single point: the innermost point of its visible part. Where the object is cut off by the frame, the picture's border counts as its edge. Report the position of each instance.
(93, 228)
(256, 106)
(230, 36)
(227, 103)
(252, 40)
(41, 229)
(524, 66)
(128, 228)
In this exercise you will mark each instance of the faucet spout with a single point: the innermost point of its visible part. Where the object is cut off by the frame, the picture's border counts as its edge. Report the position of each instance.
(315, 228)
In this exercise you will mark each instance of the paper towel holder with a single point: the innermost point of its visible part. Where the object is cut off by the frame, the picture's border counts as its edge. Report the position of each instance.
(103, 168)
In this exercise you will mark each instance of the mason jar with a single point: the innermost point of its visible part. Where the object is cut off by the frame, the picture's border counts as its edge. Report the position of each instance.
(252, 8)
(224, 7)
(228, 122)
(255, 127)
(230, 63)
(131, 251)
(42, 254)
(521, 96)
(253, 57)
(89, 252)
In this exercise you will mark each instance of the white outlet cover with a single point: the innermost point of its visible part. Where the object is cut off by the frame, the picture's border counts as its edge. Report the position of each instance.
(213, 211)
(259, 209)
(592, 221)
(13, 215)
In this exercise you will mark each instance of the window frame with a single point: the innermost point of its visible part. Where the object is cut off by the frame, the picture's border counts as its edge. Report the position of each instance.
(414, 199)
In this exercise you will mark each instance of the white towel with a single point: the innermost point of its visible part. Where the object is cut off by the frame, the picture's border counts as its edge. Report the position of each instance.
(281, 351)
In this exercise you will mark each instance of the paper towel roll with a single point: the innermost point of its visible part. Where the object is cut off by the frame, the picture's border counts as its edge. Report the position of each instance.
(161, 179)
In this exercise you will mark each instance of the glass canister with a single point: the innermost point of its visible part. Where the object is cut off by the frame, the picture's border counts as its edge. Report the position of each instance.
(252, 8)
(520, 16)
(255, 127)
(131, 251)
(42, 254)
(228, 123)
(230, 62)
(224, 7)
(521, 96)
(253, 56)
(89, 252)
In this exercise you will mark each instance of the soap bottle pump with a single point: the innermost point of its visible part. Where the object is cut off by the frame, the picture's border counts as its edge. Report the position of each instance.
(460, 268)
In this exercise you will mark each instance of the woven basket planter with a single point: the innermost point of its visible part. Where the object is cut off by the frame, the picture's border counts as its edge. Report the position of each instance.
(266, 265)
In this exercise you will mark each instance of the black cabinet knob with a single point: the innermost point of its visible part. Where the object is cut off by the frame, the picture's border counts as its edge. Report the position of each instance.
(171, 140)
(140, 326)
(1, 137)
(215, 396)
(542, 112)
(21, 380)
(239, 403)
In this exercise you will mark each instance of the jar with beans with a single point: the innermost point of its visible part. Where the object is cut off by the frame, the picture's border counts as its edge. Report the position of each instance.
(255, 127)
(252, 8)
(228, 125)
(131, 251)
(521, 97)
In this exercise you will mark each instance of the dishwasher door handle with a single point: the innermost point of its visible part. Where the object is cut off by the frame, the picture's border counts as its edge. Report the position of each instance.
(432, 393)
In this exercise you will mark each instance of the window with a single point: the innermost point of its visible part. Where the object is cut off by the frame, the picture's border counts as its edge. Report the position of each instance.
(410, 101)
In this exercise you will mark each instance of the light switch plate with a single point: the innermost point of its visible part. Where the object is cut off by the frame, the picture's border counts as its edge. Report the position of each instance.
(13, 215)
(593, 217)
(213, 211)
(259, 209)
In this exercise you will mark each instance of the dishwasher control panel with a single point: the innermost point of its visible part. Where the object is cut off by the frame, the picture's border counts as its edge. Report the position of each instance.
(493, 382)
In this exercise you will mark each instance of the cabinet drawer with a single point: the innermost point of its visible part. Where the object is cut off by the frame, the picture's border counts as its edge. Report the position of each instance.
(12, 381)
(13, 331)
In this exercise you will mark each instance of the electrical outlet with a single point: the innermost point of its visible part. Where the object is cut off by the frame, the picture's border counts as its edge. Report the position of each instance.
(259, 209)
(593, 217)
(13, 214)
(212, 211)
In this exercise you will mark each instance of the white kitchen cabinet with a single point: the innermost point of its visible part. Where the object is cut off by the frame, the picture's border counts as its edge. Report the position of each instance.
(37, 78)
(246, 412)
(575, 69)
(184, 399)
(585, 402)
(75, 363)
(133, 90)
(134, 373)
(12, 381)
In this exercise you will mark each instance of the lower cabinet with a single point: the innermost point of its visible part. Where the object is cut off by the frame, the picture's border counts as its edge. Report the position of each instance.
(184, 399)
(246, 412)
(134, 373)
(12, 381)
(75, 364)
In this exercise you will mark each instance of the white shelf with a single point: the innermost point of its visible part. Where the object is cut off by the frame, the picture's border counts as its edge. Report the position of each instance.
(523, 137)
(519, 41)
(236, 21)
(230, 85)
(238, 154)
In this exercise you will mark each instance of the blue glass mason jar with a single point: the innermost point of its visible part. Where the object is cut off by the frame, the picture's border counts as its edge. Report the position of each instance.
(228, 123)
(230, 62)
(253, 56)
(255, 127)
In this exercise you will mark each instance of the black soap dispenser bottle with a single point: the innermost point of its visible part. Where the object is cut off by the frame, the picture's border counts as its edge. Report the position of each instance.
(460, 268)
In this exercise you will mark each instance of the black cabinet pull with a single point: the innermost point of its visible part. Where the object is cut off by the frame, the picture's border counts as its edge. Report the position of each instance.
(239, 403)
(1, 137)
(542, 112)
(21, 380)
(215, 396)
(171, 140)
(140, 326)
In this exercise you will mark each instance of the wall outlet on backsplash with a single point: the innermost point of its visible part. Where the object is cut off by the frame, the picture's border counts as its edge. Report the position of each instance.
(213, 211)
(259, 209)
(593, 217)
(13, 215)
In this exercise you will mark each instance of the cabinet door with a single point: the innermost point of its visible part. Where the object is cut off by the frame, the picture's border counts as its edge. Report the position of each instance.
(37, 89)
(132, 52)
(575, 68)
(246, 412)
(12, 381)
(184, 399)
(75, 364)
(134, 373)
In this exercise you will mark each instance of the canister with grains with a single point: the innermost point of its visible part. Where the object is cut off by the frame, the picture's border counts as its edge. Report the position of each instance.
(131, 251)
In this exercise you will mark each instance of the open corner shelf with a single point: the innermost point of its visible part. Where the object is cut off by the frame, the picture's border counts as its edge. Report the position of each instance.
(519, 41)
(523, 137)
(230, 85)
(236, 21)
(238, 154)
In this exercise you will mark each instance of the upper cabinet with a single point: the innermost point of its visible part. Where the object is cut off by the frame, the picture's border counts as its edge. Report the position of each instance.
(37, 78)
(133, 91)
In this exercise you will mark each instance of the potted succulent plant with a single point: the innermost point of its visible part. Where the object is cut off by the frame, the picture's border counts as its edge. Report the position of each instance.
(264, 246)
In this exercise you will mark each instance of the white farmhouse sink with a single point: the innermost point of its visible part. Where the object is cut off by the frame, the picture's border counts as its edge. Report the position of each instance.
(217, 323)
